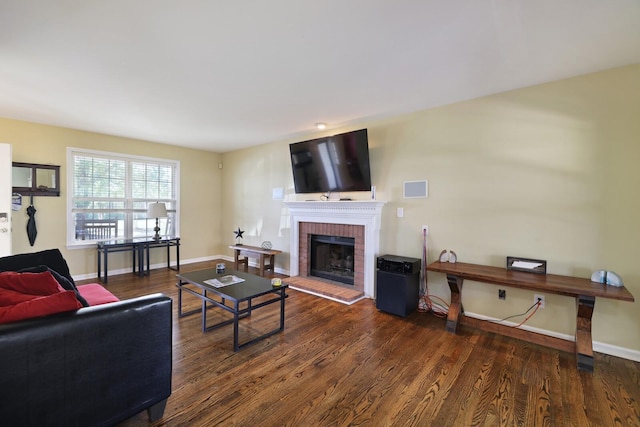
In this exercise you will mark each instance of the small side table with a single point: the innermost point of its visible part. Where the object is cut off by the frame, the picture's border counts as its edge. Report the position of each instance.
(266, 257)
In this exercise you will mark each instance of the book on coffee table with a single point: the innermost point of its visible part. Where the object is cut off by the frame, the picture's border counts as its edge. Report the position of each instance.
(224, 281)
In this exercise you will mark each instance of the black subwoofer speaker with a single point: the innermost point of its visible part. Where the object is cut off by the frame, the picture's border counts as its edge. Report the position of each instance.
(397, 293)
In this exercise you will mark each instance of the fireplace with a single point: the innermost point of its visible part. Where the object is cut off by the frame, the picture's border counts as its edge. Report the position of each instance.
(359, 220)
(337, 233)
(332, 258)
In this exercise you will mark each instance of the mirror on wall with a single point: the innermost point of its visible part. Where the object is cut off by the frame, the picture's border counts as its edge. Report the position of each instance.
(35, 179)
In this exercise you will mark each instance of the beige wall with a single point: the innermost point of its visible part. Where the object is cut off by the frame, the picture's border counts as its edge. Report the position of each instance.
(200, 186)
(545, 172)
(249, 177)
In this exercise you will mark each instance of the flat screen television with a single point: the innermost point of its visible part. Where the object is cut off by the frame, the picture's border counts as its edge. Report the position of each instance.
(337, 163)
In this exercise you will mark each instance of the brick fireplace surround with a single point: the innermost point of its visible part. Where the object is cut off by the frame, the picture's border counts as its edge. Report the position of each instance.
(306, 229)
(357, 219)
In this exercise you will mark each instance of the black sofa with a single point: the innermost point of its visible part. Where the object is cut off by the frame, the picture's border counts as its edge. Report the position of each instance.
(95, 366)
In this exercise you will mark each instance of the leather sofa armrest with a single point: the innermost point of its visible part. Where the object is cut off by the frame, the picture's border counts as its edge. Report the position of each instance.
(97, 366)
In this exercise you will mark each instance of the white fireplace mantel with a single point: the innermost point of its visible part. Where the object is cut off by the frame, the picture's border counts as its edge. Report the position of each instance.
(367, 213)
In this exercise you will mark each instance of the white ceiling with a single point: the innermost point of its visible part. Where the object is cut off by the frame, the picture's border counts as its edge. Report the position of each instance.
(221, 74)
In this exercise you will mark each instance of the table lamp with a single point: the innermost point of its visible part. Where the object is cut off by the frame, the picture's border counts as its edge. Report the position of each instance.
(157, 210)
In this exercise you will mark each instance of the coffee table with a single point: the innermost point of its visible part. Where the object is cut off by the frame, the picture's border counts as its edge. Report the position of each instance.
(230, 297)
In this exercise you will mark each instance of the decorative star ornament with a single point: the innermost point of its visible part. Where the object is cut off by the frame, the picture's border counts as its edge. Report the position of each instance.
(238, 233)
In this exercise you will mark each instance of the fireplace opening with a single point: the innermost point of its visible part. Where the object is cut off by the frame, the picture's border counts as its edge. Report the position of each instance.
(332, 258)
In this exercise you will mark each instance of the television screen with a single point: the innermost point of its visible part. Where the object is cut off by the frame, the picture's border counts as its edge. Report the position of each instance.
(332, 164)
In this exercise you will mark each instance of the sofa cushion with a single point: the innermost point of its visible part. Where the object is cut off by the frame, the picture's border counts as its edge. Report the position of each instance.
(11, 297)
(52, 258)
(63, 281)
(38, 284)
(96, 294)
(27, 295)
(40, 306)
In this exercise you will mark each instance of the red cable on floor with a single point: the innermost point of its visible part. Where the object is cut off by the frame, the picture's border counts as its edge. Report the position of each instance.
(529, 316)
(438, 309)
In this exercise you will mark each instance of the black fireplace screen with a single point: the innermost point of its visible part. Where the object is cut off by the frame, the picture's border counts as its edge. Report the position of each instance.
(332, 258)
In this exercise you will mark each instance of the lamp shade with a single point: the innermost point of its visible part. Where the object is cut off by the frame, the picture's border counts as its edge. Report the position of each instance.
(157, 210)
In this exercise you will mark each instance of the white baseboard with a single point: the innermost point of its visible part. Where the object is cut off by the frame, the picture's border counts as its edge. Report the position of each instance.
(600, 347)
(182, 262)
(152, 267)
(614, 350)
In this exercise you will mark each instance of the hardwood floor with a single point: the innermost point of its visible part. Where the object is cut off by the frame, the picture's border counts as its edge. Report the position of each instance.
(339, 365)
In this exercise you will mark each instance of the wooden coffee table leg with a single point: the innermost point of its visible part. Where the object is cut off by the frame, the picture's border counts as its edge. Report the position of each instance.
(584, 344)
(455, 285)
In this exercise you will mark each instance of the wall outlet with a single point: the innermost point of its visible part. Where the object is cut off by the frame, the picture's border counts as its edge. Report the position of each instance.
(425, 228)
(537, 297)
(502, 294)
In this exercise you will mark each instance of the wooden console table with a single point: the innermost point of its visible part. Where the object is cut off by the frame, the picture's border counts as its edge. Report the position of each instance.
(266, 257)
(583, 290)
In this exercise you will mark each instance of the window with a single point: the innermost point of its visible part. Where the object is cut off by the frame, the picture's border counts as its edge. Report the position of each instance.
(109, 194)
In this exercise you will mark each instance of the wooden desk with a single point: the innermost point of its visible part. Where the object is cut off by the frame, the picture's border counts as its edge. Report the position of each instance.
(266, 257)
(583, 290)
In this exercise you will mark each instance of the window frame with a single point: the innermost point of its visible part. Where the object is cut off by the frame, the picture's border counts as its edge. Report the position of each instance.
(72, 243)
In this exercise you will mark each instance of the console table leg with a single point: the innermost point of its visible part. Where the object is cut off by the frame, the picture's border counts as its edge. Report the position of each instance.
(178, 255)
(147, 248)
(272, 264)
(584, 344)
(455, 285)
(106, 267)
(99, 265)
(262, 259)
